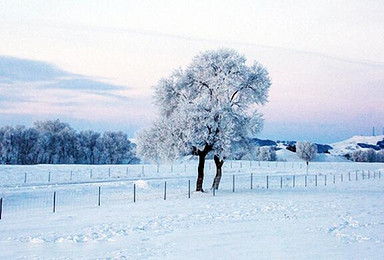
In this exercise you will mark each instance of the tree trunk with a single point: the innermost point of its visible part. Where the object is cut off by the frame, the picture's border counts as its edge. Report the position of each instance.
(219, 164)
(200, 168)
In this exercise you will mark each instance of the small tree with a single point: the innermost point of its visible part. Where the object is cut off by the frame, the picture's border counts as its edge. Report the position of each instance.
(266, 153)
(306, 151)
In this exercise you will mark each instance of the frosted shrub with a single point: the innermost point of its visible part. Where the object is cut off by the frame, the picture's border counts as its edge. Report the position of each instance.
(266, 153)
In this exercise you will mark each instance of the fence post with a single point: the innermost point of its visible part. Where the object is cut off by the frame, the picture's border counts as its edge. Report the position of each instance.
(189, 189)
(231, 164)
(158, 168)
(251, 181)
(70, 176)
(281, 182)
(305, 180)
(349, 176)
(293, 181)
(356, 175)
(267, 182)
(25, 177)
(134, 192)
(316, 180)
(362, 174)
(1, 208)
(379, 175)
(54, 202)
(325, 180)
(342, 177)
(369, 174)
(99, 199)
(109, 172)
(233, 183)
(165, 190)
(49, 177)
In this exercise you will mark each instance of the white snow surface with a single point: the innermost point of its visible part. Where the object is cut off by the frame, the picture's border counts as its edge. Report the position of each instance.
(340, 218)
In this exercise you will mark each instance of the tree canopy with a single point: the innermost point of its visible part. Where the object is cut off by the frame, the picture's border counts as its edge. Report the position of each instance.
(210, 106)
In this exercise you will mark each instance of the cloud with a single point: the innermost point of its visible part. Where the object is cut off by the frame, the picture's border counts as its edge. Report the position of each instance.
(14, 70)
(40, 90)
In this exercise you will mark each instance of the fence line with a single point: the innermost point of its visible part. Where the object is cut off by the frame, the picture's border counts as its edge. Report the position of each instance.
(175, 189)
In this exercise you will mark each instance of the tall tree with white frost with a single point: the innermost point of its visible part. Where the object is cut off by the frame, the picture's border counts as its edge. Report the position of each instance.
(306, 151)
(206, 108)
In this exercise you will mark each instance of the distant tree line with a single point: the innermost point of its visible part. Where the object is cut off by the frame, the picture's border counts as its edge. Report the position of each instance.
(367, 155)
(55, 142)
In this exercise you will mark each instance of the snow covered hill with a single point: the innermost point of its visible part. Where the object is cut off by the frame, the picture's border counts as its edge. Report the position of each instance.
(338, 151)
(351, 144)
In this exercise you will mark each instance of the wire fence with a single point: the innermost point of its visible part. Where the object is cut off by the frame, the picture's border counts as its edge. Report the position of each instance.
(28, 201)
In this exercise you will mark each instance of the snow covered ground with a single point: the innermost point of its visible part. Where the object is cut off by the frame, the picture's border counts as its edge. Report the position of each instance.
(289, 220)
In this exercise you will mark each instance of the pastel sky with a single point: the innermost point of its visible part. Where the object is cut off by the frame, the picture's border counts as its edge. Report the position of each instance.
(93, 63)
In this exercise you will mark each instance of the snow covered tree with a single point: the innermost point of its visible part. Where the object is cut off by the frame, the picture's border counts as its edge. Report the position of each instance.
(380, 156)
(368, 155)
(53, 142)
(306, 151)
(86, 146)
(266, 153)
(208, 107)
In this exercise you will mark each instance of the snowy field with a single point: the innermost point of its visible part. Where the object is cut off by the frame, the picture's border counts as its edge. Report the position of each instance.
(336, 212)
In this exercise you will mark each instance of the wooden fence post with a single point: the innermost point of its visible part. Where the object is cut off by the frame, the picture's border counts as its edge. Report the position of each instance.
(316, 180)
(233, 183)
(25, 177)
(281, 182)
(251, 181)
(99, 199)
(54, 202)
(189, 189)
(49, 177)
(134, 192)
(1, 207)
(325, 180)
(293, 181)
(267, 182)
(165, 190)
(305, 177)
